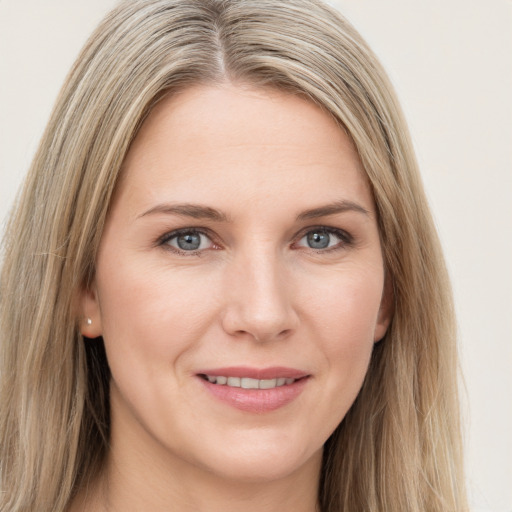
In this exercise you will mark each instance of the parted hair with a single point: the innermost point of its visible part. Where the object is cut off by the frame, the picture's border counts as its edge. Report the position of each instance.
(399, 447)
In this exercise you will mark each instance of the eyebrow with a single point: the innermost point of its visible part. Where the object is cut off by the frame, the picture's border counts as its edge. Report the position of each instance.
(332, 209)
(197, 211)
(194, 211)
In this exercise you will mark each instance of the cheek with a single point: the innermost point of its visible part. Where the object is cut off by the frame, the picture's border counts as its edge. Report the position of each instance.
(152, 321)
(150, 314)
(346, 305)
(343, 320)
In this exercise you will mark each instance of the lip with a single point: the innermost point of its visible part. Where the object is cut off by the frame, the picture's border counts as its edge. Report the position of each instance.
(255, 401)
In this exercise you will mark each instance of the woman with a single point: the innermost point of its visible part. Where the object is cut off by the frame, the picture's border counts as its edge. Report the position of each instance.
(222, 287)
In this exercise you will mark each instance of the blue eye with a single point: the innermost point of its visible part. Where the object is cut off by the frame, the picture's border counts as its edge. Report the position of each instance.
(323, 238)
(188, 240)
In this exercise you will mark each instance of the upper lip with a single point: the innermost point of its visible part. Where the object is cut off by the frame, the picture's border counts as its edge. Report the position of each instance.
(273, 372)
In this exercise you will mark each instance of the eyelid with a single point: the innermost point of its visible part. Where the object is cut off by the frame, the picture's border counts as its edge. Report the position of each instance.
(346, 238)
(163, 240)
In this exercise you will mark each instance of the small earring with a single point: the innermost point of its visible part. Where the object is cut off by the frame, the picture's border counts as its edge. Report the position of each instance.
(88, 321)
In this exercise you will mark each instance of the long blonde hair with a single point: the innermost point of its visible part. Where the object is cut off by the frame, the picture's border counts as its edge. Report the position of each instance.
(399, 446)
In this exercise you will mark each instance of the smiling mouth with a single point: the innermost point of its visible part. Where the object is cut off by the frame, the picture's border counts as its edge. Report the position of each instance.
(248, 382)
(254, 390)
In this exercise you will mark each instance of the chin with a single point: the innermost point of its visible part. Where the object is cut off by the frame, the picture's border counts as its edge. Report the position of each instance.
(263, 464)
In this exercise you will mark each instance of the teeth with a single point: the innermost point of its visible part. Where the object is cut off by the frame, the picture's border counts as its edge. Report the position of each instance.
(234, 382)
(267, 383)
(248, 383)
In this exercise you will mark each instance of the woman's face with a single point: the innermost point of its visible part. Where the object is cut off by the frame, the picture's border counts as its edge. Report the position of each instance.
(239, 284)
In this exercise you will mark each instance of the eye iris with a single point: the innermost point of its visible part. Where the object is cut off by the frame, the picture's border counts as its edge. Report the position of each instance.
(318, 239)
(189, 241)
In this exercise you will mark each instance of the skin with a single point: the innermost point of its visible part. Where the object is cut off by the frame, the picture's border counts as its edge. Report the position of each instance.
(254, 294)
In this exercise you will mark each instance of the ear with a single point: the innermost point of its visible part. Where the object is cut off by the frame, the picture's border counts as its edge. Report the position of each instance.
(386, 310)
(90, 313)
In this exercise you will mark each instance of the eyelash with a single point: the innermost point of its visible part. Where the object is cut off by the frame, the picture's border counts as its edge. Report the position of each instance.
(164, 240)
(346, 239)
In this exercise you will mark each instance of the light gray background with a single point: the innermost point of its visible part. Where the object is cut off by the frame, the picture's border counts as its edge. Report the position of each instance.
(450, 61)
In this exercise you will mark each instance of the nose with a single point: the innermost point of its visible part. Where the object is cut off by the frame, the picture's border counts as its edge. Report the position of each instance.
(259, 299)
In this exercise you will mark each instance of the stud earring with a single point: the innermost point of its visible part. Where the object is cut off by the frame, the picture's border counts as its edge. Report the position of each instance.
(88, 321)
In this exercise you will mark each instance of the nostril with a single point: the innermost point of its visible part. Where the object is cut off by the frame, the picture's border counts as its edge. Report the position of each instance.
(285, 333)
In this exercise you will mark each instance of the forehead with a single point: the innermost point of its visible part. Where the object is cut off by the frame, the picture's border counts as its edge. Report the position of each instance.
(213, 142)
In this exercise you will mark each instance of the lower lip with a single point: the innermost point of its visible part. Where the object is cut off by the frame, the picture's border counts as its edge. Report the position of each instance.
(256, 400)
